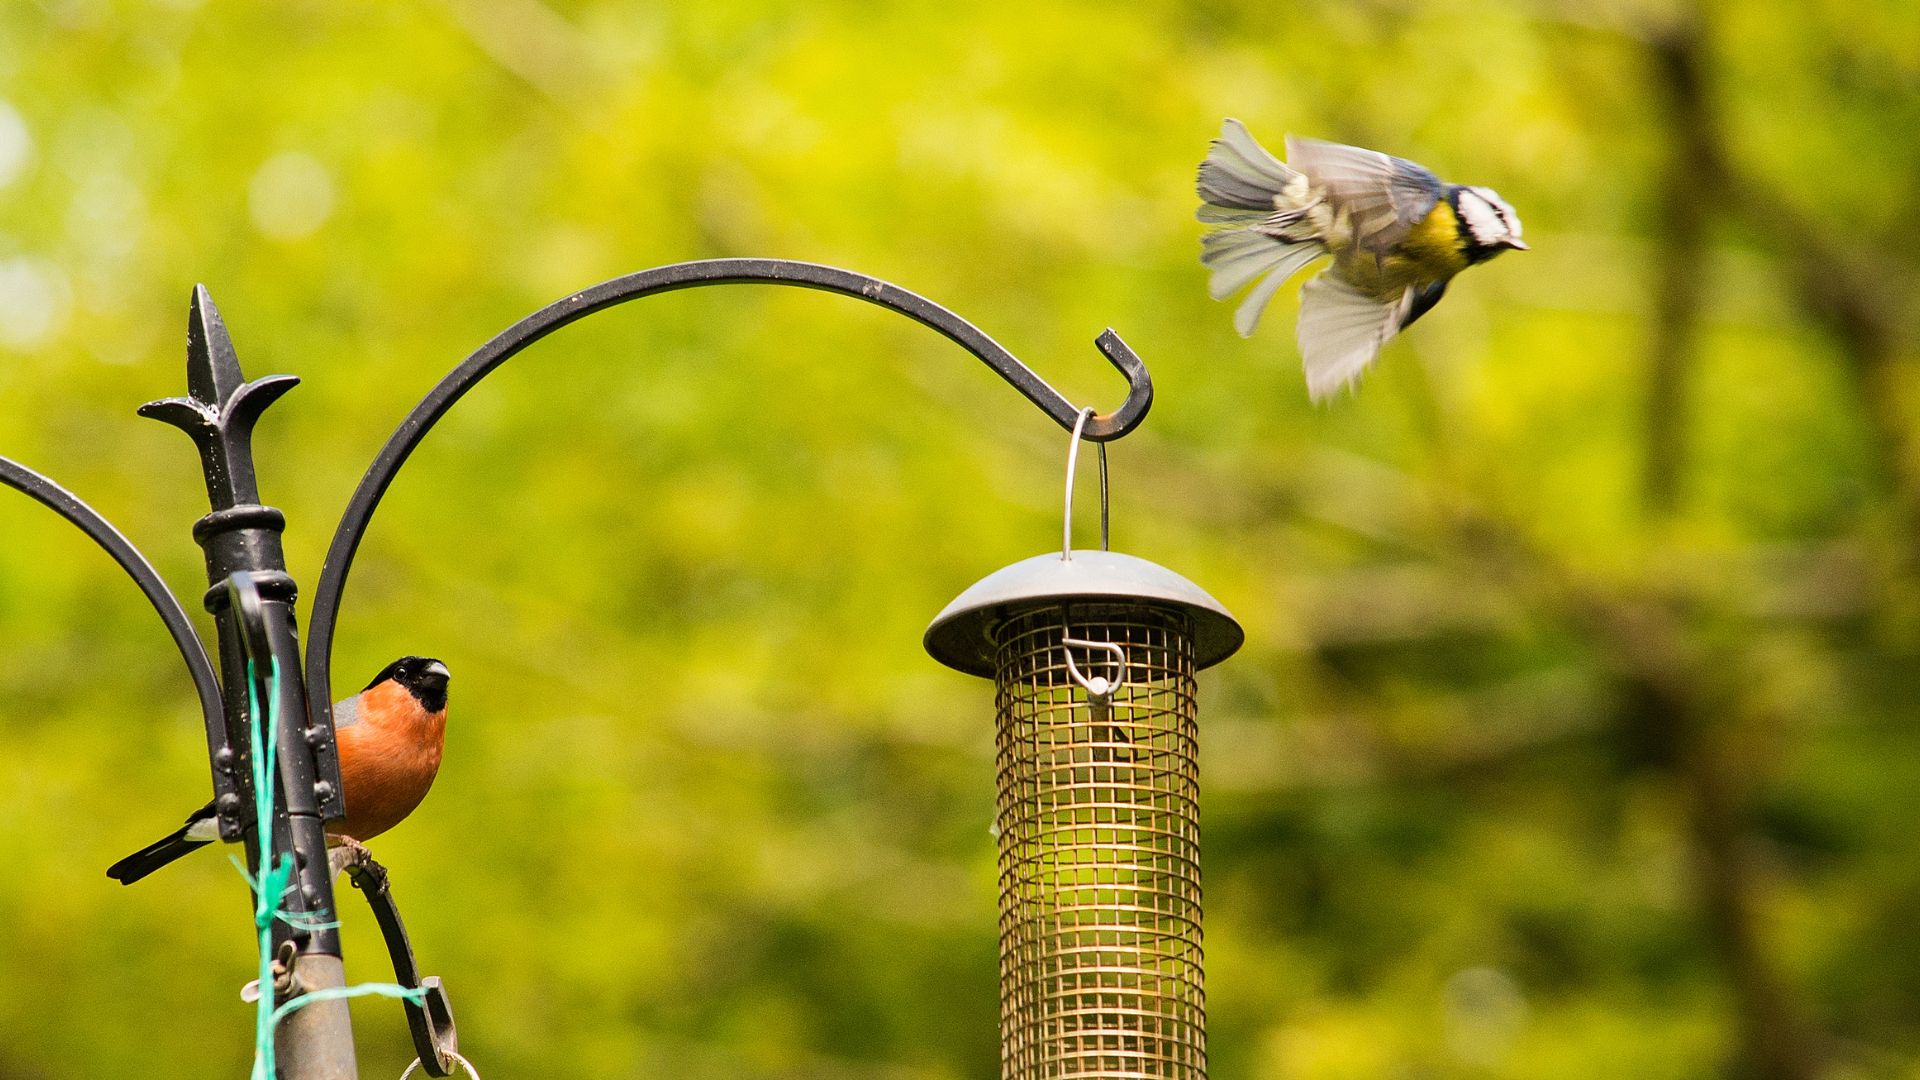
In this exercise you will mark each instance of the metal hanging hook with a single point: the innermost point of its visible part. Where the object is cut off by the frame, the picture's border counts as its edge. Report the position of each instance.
(1073, 466)
(327, 593)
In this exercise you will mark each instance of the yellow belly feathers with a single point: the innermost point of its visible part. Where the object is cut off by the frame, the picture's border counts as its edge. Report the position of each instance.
(1430, 252)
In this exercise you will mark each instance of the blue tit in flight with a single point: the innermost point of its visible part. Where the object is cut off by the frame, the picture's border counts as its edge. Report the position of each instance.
(1396, 232)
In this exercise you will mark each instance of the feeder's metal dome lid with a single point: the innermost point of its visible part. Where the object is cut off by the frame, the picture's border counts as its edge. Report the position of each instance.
(961, 636)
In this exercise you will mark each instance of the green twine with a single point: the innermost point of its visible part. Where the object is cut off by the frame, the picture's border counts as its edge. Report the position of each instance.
(294, 919)
(335, 993)
(271, 883)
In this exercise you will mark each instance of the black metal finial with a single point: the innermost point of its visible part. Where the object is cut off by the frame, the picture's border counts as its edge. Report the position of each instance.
(222, 408)
(213, 369)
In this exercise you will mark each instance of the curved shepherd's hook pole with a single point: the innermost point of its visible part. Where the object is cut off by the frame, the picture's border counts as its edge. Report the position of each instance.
(101, 531)
(366, 498)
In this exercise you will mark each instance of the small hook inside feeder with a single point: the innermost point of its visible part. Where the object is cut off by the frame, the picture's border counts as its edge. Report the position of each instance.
(1108, 740)
(1098, 687)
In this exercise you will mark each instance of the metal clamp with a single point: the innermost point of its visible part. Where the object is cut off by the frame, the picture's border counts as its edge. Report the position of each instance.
(243, 598)
(286, 981)
(457, 1060)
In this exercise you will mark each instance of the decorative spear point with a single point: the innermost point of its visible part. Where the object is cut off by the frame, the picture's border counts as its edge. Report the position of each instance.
(213, 368)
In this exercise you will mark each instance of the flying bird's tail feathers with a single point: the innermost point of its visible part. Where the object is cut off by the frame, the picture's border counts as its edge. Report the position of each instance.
(1240, 175)
(1264, 209)
(199, 831)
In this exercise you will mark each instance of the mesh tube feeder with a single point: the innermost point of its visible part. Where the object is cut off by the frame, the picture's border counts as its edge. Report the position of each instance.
(1093, 654)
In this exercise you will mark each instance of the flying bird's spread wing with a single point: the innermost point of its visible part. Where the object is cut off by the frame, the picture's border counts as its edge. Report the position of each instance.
(1384, 197)
(1342, 330)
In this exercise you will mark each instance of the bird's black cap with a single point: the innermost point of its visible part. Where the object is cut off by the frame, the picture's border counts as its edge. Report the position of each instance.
(423, 676)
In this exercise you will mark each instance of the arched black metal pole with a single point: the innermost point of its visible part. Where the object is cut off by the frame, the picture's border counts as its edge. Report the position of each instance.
(366, 498)
(101, 531)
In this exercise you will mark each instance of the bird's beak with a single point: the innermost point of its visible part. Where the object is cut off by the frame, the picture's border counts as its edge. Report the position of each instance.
(439, 671)
(1518, 246)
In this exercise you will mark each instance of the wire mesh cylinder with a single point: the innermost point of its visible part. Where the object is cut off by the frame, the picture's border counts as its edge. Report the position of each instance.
(1100, 952)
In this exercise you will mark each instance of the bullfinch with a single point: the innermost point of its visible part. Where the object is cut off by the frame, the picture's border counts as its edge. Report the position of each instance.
(389, 736)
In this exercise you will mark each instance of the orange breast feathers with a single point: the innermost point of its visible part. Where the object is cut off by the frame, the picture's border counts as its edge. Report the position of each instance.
(389, 753)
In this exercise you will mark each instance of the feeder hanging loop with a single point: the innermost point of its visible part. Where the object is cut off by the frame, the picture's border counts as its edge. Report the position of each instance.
(1073, 465)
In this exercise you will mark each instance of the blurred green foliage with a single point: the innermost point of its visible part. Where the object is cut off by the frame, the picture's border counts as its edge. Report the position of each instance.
(1574, 735)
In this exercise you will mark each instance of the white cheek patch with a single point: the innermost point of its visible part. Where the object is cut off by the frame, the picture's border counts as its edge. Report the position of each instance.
(1483, 221)
(1507, 217)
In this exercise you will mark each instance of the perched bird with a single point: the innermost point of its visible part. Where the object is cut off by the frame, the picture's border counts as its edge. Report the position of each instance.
(389, 737)
(1396, 232)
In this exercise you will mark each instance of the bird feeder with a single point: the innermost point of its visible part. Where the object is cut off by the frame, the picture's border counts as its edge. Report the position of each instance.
(1093, 654)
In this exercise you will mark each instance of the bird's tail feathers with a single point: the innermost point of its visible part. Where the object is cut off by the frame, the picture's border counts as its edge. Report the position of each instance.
(156, 855)
(1238, 256)
(1241, 180)
(1268, 228)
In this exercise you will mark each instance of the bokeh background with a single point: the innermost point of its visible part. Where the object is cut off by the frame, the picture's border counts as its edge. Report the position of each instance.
(1575, 733)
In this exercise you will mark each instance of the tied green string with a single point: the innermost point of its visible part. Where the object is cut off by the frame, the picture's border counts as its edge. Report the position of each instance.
(417, 995)
(271, 881)
(270, 884)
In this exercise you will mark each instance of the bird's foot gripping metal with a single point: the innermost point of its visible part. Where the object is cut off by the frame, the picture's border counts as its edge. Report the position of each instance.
(431, 1022)
(348, 852)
